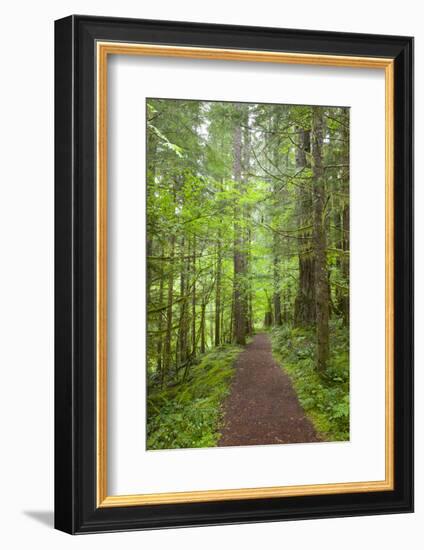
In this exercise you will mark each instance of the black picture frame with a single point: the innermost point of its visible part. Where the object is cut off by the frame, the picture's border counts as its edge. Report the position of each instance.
(76, 510)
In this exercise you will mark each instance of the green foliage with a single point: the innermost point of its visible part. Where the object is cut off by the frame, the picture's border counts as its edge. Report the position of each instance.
(188, 414)
(324, 399)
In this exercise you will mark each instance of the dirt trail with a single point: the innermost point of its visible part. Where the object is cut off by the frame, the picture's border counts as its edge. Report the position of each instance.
(262, 407)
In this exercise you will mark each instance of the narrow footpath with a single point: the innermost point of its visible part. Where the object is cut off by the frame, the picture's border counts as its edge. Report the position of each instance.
(262, 407)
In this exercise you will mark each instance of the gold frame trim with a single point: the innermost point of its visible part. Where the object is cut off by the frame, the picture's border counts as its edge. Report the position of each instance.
(119, 48)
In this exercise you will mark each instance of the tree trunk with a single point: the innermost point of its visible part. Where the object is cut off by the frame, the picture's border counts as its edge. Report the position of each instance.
(268, 320)
(304, 307)
(276, 275)
(239, 261)
(168, 335)
(231, 327)
(320, 243)
(202, 328)
(218, 293)
(181, 354)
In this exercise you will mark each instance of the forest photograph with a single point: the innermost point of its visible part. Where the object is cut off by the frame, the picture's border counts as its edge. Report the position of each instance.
(247, 273)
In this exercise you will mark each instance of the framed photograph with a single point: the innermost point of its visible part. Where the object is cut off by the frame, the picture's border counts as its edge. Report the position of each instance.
(233, 271)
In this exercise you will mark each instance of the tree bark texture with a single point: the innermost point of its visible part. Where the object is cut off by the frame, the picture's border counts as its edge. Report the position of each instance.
(320, 241)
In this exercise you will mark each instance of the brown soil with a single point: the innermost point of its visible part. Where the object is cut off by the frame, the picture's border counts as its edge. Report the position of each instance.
(262, 407)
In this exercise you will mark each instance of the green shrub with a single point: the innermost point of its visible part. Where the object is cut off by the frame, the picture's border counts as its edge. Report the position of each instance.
(188, 414)
(325, 399)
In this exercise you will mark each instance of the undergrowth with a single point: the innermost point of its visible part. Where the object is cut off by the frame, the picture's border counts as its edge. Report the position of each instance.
(188, 414)
(325, 399)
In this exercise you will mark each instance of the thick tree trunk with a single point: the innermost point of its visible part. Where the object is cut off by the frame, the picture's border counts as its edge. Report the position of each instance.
(248, 286)
(239, 260)
(274, 143)
(247, 213)
(320, 243)
(304, 307)
(341, 226)
(268, 319)
(277, 293)
(304, 311)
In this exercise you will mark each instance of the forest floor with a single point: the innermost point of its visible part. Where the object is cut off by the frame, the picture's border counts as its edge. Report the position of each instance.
(262, 406)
